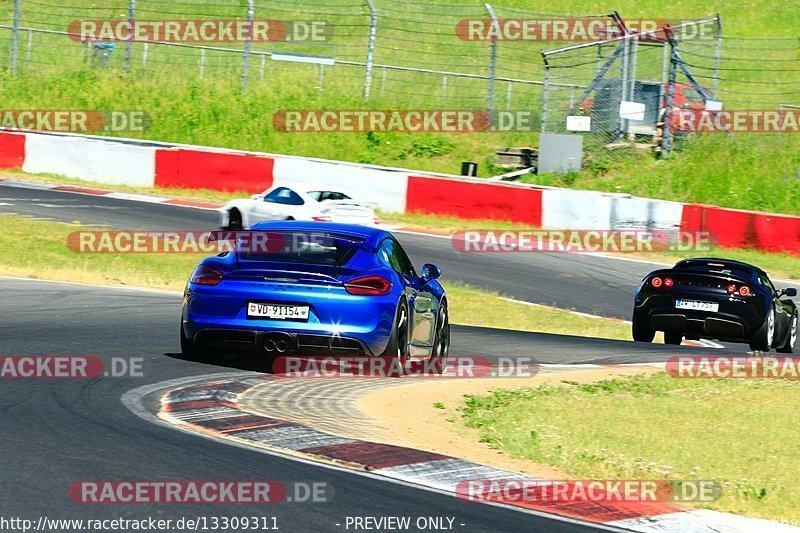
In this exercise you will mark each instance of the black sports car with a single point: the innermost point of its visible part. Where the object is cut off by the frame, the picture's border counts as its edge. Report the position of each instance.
(715, 299)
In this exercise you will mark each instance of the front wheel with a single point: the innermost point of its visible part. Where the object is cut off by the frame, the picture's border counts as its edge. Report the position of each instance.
(441, 344)
(791, 337)
(761, 340)
(396, 354)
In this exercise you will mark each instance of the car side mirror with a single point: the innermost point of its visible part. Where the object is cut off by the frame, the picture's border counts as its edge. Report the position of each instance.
(789, 292)
(430, 272)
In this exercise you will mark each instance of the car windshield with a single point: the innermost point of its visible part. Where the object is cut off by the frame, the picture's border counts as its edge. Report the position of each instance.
(297, 247)
(321, 196)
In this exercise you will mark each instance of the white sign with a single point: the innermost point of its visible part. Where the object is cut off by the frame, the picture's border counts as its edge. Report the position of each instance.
(579, 123)
(713, 105)
(631, 110)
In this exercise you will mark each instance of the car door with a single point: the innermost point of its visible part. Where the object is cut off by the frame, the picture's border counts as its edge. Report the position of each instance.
(278, 204)
(422, 303)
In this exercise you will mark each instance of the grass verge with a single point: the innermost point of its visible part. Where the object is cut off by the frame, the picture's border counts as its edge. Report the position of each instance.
(736, 432)
(38, 249)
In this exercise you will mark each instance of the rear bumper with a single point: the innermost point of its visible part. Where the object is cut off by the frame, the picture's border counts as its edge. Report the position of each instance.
(737, 319)
(280, 342)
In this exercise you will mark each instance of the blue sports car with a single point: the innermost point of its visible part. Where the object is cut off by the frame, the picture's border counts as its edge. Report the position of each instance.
(317, 289)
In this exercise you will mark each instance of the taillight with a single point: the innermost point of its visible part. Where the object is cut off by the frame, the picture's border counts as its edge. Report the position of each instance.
(656, 282)
(322, 218)
(376, 220)
(205, 275)
(744, 290)
(731, 288)
(668, 282)
(369, 286)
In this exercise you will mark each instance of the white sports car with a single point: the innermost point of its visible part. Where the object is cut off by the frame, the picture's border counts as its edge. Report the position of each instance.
(298, 202)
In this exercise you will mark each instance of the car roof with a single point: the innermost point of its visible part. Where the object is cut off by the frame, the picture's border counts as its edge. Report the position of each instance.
(371, 235)
(307, 187)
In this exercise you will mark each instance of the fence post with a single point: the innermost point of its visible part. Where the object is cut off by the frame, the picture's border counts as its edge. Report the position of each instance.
(15, 37)
(492, 59)
(666, 135)
(246, 62)
(717, 55)
(129, 44)
(545, 90)
(626, 57)
(373, 24)
(144, 55)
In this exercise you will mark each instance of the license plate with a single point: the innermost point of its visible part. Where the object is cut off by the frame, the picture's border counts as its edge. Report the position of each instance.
(696, 305)
(277, 311)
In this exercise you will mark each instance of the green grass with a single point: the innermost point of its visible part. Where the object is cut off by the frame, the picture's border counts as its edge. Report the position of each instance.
(737, 432)
(38, 249)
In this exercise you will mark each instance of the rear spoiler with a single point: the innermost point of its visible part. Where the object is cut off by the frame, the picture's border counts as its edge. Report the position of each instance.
(369, 205)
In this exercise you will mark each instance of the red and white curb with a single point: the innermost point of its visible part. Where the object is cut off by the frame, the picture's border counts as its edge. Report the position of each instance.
(211, 408)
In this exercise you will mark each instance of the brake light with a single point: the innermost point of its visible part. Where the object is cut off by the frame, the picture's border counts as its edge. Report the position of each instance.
(205, 275)
(731, 288)
(369, 286)
(744, 290)
(656, 282)
(668, 282)
(322, 218)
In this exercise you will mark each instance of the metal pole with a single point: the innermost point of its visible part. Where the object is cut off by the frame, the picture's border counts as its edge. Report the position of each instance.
(263, 65)
(15, 37)
(492, 59)
(373, 24)
(634, 57)
(129, 44)
(623, 123)
(248, 41)
(545, 90)
(202, 61)
(144, 56)
(30, 47)
(508, 96)
(321, 77)
(717, 56)
(666, 136)
(444, 88)
(383, 82)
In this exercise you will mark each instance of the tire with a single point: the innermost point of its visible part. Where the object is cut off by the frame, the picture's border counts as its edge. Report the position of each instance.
(396, 354)
(641, 330)
(234, 220)
(673, 337)
(441, 343)
(791, 337)
(289, 218)
(190, 351)
(763, 338)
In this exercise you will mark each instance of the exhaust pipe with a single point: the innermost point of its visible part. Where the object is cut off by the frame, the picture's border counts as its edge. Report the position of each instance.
(269, 345)
(278, 341)
(281, 345)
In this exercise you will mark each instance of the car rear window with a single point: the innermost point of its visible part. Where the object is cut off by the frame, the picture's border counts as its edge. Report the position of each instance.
(321, 196)
(715, 267)
(298, 247)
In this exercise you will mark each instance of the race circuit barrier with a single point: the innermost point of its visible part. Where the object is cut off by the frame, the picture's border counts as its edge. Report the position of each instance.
(735, 228)
(149, 163)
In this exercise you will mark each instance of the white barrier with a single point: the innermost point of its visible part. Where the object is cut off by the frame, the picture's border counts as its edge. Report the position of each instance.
(90, 159)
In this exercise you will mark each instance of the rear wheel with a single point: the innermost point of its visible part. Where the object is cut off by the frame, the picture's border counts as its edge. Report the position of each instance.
(441, 345)
(396, 355)
(642, 332)
(234, 220)
(791, 337)
(190, 350)
(762, 339)
(673, 337)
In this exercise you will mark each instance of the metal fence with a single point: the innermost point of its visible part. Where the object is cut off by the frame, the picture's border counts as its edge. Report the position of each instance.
(401, 54)
(399, 51)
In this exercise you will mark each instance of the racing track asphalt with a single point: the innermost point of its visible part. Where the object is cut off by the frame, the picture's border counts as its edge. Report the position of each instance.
(59, 431)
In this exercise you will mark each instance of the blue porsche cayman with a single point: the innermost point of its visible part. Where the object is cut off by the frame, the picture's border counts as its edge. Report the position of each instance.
(318, 289)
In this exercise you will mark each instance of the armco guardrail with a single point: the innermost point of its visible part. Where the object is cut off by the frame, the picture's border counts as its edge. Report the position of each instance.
(148, 164)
